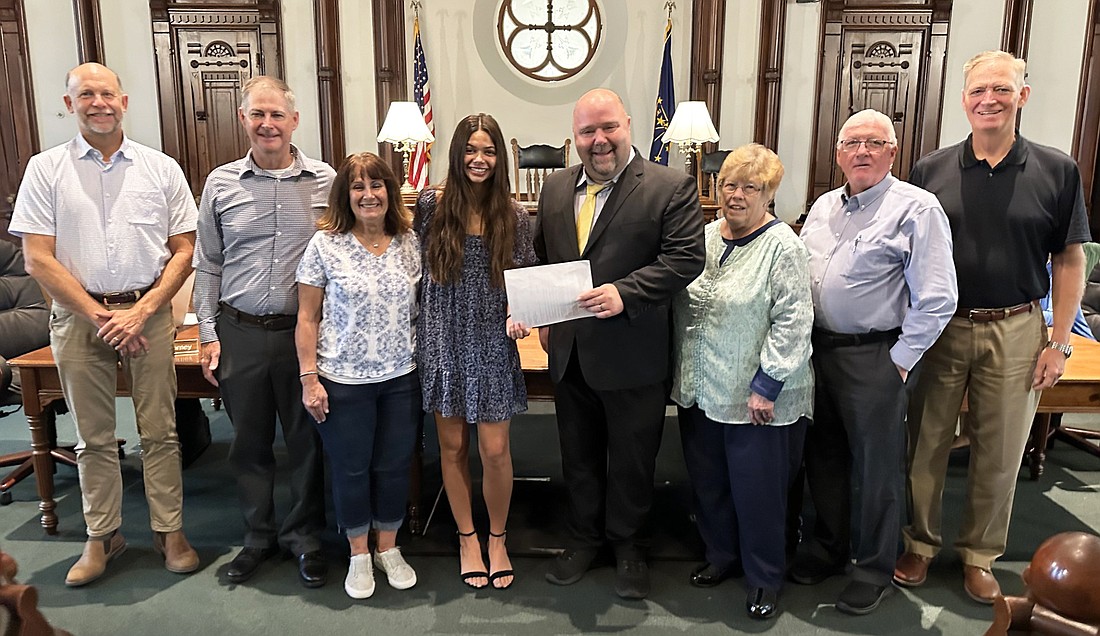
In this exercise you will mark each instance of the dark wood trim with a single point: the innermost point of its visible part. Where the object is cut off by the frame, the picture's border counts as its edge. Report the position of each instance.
(327, 25)
(18, 122)
(1086, 129)
(769, 76)
(89, 31)
(390, 75)
(1016, 29)
(708, 33)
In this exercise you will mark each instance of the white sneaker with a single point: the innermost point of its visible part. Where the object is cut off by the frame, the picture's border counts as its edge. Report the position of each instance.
(399, 573)
(360, 580)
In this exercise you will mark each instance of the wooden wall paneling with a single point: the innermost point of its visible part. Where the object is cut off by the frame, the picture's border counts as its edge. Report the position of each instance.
(1086, 130)
(1016, 29)
(327, 27)
(769, 76)
(884, 55)
(708, 27)
(390, 75)
(89, 31)
(18, 127)
(205, 51)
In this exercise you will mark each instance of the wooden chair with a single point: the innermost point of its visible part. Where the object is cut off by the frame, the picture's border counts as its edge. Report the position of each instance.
(19, 613)
(536, 161)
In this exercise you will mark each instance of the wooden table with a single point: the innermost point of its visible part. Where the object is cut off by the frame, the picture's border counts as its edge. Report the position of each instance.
(1077, 392)
(42, 386)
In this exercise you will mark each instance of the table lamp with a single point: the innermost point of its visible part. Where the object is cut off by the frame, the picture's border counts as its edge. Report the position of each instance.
(689, 129)
(405, 128)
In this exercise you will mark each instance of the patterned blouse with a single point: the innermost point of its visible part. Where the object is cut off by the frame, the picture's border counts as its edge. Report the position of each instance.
(367, 331)
(744, 325)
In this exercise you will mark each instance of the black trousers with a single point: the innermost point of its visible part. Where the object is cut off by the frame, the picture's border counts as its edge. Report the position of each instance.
(609, 443)
(258, 376)
(856, 445)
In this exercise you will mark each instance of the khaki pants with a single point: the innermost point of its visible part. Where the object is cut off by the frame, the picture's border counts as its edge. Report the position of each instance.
(88, 368)
(993, 364)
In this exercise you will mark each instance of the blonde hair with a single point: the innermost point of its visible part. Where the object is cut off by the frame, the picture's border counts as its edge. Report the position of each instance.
(266, 82)
(752, 162)
(1018, 66)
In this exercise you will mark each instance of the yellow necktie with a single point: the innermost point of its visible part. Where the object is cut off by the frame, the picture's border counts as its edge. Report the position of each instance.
(587, 211)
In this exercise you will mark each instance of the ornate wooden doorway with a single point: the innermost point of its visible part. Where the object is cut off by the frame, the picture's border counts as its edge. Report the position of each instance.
(18, 131)
(204, 56)
(884, 55)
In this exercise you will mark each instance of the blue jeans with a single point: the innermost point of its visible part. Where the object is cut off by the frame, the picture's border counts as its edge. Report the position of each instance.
(369, 436)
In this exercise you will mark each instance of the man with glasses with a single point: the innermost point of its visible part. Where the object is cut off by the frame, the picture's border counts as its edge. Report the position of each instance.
(883, 286)
(1012, 205)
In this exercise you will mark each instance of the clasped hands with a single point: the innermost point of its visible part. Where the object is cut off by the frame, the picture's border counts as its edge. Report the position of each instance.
(122, 330)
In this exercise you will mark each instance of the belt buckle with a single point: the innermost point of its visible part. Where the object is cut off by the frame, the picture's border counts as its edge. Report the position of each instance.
(972, 314)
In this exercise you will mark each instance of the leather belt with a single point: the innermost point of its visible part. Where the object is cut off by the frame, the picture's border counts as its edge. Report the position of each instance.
(824, 339)
(271, 322)
(119, 298)
(992, 315)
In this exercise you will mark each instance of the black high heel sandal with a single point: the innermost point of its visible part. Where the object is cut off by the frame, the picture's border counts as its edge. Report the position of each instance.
(468, 576)
(499, 574)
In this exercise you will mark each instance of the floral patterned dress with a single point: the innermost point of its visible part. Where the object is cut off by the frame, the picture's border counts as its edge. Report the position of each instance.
(468, 365)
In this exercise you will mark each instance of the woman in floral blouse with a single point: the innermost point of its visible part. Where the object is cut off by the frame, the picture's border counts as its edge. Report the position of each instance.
(357, 287)
(742, 379)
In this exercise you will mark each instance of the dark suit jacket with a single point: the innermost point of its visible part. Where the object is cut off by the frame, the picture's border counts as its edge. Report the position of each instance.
(648, 242)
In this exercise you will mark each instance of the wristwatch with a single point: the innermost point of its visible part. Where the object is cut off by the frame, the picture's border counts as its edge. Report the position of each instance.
(1066, 349)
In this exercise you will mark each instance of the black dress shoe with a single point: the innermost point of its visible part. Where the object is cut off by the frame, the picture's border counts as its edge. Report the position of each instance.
(247, 561)
(632, 579)
(570, 566)
(761, 604)
(811, 570)
(313, 569)
(707, 575)
(861, 598)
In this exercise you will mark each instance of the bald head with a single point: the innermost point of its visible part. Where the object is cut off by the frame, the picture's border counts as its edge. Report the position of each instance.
(91, 69)
(601, 130)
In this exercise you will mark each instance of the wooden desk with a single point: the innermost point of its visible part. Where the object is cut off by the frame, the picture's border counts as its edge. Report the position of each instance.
(1077, 392)
(42, 386)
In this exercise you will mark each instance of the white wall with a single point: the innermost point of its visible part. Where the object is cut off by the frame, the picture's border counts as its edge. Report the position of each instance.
(51, 44)
(356, 54)
(975, 27)
(468, 73)
(128, 50)
(799, 93)
(740, 55)
(300, 61)
(1054, 71)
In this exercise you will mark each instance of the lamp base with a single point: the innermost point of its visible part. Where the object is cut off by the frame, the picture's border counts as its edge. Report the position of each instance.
(407, 188)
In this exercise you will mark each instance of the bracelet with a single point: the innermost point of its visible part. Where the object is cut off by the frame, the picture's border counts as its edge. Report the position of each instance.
(304, 374)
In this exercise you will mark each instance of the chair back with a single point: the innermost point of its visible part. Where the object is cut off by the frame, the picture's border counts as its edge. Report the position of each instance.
(709, 166)
(532, 163)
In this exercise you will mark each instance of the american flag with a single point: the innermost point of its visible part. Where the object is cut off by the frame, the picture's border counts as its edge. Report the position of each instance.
(422, 156)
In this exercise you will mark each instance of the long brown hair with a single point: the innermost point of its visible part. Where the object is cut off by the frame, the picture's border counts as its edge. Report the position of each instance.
(446, 234)
(339, 218)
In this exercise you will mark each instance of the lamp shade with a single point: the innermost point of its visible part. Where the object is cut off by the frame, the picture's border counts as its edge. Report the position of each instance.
(404, 124)
(690, 124)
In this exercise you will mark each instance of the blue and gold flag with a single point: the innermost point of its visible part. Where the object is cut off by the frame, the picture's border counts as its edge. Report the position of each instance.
(666, 102)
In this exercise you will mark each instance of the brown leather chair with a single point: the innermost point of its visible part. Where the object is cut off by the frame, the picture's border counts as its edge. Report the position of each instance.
(535, 162)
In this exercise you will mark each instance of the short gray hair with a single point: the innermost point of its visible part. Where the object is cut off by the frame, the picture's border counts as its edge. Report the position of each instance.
(266, 82)
(870, 116)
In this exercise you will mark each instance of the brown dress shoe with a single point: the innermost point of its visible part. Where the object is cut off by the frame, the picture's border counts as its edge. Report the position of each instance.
(911, 569)
(179, 556)
(93, 561)
(980, 584)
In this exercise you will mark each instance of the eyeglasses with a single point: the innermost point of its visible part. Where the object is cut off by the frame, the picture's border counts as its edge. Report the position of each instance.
(852, 145)
(749, 189)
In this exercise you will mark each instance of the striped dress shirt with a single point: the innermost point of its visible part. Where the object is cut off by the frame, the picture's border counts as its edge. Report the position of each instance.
(253, 228)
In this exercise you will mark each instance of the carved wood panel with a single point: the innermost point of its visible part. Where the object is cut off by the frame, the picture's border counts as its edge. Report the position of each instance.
(887, 58)
(18, 131)
(205, 53)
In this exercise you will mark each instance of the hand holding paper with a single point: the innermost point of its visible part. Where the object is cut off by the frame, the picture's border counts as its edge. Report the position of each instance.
(547, 294)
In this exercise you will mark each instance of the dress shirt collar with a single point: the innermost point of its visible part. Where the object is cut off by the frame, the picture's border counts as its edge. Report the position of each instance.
(296, 168)
(582, 176)
(83, 148)
(1017, 155)
(867, 197)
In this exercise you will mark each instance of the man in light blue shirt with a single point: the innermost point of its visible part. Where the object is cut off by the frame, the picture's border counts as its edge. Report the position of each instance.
(883, 286)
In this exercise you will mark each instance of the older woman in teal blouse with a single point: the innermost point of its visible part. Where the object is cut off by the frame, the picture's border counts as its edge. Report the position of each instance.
(742, 379)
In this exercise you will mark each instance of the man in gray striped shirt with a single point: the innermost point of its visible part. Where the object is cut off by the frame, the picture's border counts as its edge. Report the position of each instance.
(255, 218)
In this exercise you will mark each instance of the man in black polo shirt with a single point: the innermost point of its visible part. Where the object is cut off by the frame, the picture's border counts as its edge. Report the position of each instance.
(1012, 204)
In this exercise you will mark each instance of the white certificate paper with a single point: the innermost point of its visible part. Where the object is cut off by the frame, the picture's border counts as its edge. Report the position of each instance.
(546, 294)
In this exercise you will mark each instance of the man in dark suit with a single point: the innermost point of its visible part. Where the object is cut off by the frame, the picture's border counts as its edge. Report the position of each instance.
(640, 226)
